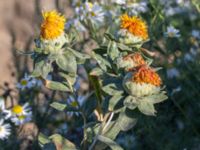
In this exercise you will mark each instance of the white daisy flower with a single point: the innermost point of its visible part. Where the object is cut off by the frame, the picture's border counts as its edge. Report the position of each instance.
(76, 24)
(24, 83)
(172, 32)
(28, 82)
(21, 114)
(5, 130)
(136, 8)
(71, 102)
(93, 12)
(6, 113)
(19, 120)
(119, 2)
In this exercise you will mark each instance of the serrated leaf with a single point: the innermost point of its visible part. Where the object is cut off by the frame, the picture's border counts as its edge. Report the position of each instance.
(53, 85)
(67, 62)
(125, 122)
(147, 108)
(131, 102)
(112, 144)
(58, 106)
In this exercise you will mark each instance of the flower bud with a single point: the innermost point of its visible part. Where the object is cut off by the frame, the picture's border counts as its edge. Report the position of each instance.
(130, 61)
(142, 82)
(125, 37)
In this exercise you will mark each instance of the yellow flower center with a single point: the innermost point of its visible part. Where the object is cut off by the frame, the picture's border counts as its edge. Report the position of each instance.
(90, 5)
(93, 14)
(134, 25)
(53, 25)
(23, 82)
(17, 109)
(146, 75)
(21, 117)
(74, 104)
(171, 34)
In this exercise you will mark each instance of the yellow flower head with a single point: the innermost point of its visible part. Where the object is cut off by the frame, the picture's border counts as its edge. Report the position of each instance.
(146, 75)
(134, 25)
(17, 109)
(53, 25)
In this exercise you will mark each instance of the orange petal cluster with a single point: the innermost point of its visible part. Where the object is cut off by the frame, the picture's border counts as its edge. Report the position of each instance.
(134, 25)
(145, 74)
(53, 25)
(136, 59)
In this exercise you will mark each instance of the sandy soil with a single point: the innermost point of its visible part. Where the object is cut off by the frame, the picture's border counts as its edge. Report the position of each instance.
(19, 24)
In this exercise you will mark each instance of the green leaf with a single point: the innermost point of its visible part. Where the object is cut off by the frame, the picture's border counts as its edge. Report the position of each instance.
(43, 139)
(53, 85)
(42, 68)
(112, 50)
(126, 122)
(70, 78)
(96, 85)
(67, 62)
(157, 98)
(109, 36)
(58, 106)
(130, 102)
(62, 143)
(103, 63)
(112, 144)
(78, 54)
(114, 101)
(123, 47)
(96, 71)
(112, 89)
(147, 108)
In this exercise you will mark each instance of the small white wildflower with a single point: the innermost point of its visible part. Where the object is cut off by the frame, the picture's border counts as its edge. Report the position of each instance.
(119, 2)
(172, 32)
(76, 24)
(24, 83)
(6, 113)
(92, 12)
(28, 82)
(71, 102)
(5, 130)
(21, 114)
(136, 8)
